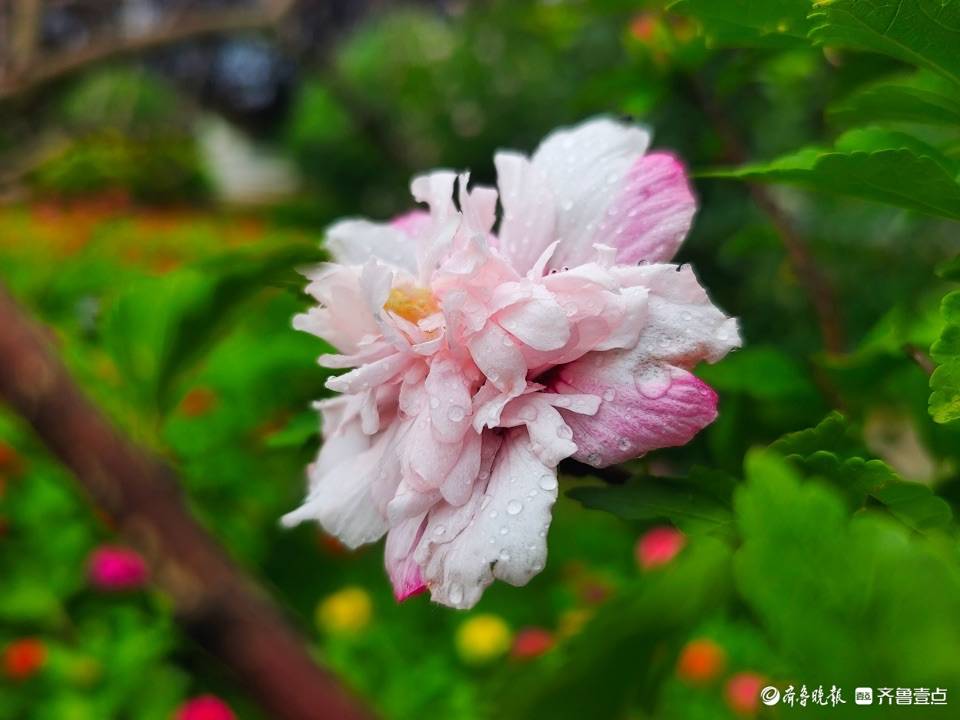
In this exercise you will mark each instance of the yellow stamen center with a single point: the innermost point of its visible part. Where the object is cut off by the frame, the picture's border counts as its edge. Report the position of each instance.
(411, 303)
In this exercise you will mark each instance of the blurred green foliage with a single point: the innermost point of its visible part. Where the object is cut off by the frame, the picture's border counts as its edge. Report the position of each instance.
(821, 547)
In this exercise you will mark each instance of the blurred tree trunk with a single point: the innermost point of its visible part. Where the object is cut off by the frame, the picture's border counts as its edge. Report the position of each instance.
(215, 602)
(24, 34)
(20, 77)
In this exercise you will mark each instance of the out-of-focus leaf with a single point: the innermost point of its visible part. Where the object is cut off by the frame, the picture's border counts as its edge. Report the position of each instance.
(890, 168)
(842, 597)
(764, 372)
(301, 429)
(949, 270)
(945, 380)
(911, 99)
(698, 503)
(921, 32)
(29, 600)
(617, 656)
(162, 328)
(235, 279)
(777, 23)
(911, 503)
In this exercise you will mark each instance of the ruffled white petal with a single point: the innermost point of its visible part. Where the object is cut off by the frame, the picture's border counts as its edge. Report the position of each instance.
(505, 533)
(355, 241)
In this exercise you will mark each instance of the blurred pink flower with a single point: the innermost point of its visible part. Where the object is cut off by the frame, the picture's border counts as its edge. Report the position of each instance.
(114, 568)
(658, 546)
(483, 359)
(743, 692)
(205, 707)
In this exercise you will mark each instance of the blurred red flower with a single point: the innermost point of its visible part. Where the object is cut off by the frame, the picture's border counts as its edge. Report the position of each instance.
(531, 642)
(24, 658)
(701, 661)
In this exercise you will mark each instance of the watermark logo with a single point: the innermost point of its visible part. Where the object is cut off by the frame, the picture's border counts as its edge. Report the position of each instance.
(803, 696)
(769, 695)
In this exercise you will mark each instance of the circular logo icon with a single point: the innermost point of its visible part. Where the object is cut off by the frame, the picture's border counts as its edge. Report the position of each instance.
(769, 695)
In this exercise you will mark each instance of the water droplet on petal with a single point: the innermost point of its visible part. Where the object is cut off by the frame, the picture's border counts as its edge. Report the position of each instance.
(504, 530)
(570, 309)
(514, 507)
(504, 555)
(564, 431)
(624, 444)
(456, 413)
(548, 482)
(434, 403)
(609, 394)
(493, 513)
(440, 530)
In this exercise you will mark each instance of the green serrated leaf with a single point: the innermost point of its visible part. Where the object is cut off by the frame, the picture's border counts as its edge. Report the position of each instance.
(908, 174)
(833, 451)
(925, 33)
(919, 98)
(945, 380)
(832, 434)
(759, 23)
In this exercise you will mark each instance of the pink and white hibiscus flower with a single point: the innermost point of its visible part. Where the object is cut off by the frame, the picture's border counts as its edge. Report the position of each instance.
(481, 359)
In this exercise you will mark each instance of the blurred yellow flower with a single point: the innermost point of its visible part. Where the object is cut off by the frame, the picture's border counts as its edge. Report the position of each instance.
(346, 611)
(572, 621)
(483, 638)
